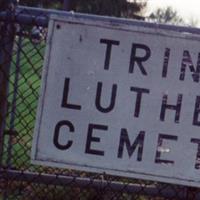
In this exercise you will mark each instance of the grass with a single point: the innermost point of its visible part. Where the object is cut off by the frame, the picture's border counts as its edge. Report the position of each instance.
(22, 116)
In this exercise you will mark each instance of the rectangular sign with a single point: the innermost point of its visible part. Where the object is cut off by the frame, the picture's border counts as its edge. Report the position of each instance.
(120, 99)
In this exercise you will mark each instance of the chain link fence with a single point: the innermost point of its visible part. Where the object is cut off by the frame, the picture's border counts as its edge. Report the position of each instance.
(22, 45)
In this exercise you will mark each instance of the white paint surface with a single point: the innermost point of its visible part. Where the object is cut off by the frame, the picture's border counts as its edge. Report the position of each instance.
(75, 51)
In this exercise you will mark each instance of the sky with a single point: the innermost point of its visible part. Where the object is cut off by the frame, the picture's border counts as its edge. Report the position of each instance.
(187, 9)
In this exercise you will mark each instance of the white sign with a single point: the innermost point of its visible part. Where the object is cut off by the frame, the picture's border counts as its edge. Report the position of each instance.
(120, 99)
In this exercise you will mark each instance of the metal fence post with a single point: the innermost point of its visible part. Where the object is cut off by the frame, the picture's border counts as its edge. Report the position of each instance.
(7, 34)
(7, 31)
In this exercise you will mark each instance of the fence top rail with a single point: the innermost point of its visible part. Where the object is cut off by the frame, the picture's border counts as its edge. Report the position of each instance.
(40, 17)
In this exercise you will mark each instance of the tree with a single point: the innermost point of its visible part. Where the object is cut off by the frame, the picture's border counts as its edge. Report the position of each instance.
(193, 22)
(41, 3)
(118, 8)
(6, 4)
(167, 16)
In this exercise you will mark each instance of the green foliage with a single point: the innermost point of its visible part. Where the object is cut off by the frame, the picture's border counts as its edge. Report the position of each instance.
(167, 16)
(118, 8)
(41, 3)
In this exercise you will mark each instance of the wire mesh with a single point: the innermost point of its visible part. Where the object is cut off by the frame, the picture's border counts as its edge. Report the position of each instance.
(22, 54)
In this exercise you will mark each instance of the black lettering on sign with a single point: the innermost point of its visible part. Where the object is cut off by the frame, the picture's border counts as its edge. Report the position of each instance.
(187, 61)
(59, 125)
(65, 103)
(109, 44)
(139, 59)
(99, 95)
(166, 62)
(197, 141)
(139, 92)
(138, 143)
(161, 149)
(176, 108)
(91, 138)
(196, 112)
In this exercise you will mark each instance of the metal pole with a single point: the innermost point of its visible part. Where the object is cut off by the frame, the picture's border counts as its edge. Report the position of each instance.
(7, 34)
(3, 92)
(85, 182)
(40, 17)
(7, 31)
